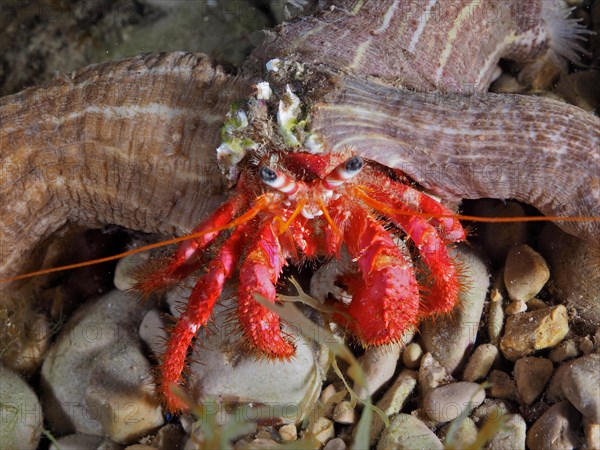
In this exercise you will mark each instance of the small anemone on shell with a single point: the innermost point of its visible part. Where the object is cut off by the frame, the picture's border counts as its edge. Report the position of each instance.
(565, 33)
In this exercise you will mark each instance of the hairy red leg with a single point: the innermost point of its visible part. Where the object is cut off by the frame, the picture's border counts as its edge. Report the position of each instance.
(197, 312)
(258, 275)
(186, 259)
(442, 294)
(385, 302)
(409, 199)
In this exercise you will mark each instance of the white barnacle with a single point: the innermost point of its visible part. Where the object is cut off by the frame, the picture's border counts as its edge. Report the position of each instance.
(274, 65)
(287, 116)
(237, 120)
(229, 154)
(263, 91)
(298, 70)
(313, 143)
(241, 119)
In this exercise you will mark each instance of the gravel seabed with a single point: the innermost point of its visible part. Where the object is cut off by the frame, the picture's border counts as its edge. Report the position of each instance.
(531, 339)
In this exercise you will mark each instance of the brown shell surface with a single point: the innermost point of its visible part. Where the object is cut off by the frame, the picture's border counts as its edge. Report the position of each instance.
(128, 143)
(537, 150)
(421, 45)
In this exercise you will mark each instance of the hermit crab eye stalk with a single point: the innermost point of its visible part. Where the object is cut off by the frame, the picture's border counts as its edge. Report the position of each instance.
(278, 180)
(344, 172)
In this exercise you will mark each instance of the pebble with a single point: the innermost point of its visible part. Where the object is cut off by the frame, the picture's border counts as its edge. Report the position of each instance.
(556, 428)
(126, 267)
(393, 401)
(335, 444)
(379, 365)
(502, 386)
(480, 362)
(448, 337)
(221, 370)
(431, 373)
(586, 345)
(515, 308)
(507, 84)
(407, 433)
(21, 417)
(177, 299)
(525, 272)
(27, 354)
(195, 437)
(422, 415)
(592, 435)
(490, 410)
(77, 441)
(324, 281)
(495, 317)
(463, 436)
(344, 413)
(411, 356)
(575, 280)
(96, 379)
(581, 386)
(255, 444)
(555, 393)
(511, 435)
(288, 432)
(327, 400)
(322, 429)
(168, 437)
(530, 331)
(153, 333)
(535, 303)
(263, 434)
(532, 375)
(107, 444)
(446, 403)
(567, 349)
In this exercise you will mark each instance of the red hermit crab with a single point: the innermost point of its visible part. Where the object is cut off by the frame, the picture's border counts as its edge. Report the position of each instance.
(291, 203)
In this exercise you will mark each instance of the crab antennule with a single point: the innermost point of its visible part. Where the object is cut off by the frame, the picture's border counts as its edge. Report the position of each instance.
(258, 276)
(285, 224)
(197, 312)
(385, 302)
(327, 216)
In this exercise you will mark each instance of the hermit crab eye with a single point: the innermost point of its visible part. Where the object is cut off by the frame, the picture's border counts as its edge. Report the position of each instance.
(278, 180)
(355, 164)
(267, 175)
(343, 172)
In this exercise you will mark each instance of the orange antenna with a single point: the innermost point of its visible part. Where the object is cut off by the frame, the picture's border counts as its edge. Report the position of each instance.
(262, 202)
(383, 207)
(259, 205)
